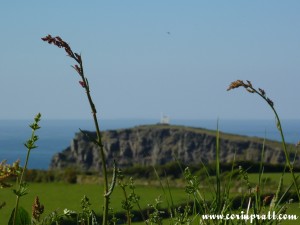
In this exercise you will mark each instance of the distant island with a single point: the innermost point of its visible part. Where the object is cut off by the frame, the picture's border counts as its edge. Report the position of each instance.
(160, 144)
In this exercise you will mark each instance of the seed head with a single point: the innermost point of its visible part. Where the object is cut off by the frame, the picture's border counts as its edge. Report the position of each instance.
(78, 57)
(37, 209)
(82, 84)
(271, 103)
(251, 89)
(237, 84)
(263, 93)
(249, 83)
(78, 69)
(59, 43)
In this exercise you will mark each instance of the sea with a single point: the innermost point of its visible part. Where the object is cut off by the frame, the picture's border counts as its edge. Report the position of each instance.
(56, 135)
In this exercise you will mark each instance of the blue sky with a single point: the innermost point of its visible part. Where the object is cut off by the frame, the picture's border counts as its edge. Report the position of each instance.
(147, 57)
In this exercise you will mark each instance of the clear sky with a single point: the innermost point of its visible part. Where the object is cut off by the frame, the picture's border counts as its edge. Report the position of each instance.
(147, 57)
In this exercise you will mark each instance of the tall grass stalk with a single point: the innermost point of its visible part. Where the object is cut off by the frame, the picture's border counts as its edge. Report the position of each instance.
(57, 41)
(218, 177)
(249, 87)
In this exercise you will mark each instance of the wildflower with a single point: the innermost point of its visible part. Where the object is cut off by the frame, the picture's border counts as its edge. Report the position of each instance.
(7, 171)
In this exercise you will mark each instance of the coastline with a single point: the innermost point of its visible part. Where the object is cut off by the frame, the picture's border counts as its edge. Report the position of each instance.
(56, 135)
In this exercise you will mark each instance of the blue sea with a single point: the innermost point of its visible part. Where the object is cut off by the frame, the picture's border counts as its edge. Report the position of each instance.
(56, 135)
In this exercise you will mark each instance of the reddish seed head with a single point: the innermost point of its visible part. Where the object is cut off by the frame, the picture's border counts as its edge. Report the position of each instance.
(82, 84)
(59, 38)
(77, 69)
(68, 51)
(78, 57)
(47, 38)
(59, 43)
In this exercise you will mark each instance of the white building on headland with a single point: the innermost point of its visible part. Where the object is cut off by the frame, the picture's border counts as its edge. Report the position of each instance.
(164, 119)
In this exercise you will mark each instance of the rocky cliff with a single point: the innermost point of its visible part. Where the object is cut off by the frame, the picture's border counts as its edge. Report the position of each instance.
(160, 144)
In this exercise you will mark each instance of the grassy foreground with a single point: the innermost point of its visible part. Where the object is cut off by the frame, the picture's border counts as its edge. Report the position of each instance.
(68, 196)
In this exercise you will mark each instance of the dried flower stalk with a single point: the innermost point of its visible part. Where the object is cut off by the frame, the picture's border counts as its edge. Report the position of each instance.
(248, 86)
(57, 41)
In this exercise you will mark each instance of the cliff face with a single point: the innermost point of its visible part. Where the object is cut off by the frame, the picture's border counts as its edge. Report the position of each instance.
(160, 144)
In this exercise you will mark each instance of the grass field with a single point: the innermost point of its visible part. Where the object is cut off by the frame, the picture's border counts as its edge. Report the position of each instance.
(253, 177)
(58, 196)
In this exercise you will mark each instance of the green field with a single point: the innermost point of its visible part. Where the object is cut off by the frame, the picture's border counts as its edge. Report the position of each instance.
(253, 177)
(58, 196)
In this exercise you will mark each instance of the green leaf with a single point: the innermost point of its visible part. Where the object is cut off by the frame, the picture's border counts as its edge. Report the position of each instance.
(22, 217)
(22, 190)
